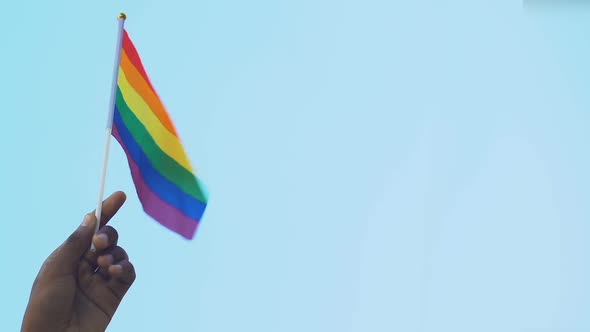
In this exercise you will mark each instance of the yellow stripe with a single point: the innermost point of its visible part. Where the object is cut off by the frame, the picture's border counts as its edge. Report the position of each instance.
(167, 141)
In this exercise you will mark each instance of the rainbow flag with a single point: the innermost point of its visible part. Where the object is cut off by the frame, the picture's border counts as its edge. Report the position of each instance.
(165, 182)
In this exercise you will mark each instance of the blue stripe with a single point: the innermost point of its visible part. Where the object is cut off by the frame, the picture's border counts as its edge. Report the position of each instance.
(161, 186)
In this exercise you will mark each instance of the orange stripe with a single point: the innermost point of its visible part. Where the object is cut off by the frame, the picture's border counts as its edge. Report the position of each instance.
(134, 57)
(144, 90)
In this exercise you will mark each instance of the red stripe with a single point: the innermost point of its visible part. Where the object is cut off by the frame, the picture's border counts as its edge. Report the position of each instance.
(167, 215)
(134, 58)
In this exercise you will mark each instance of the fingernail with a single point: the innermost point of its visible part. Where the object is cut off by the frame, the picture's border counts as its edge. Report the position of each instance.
(88, 220)
(116, 269)
(101, 240)
(106, 260)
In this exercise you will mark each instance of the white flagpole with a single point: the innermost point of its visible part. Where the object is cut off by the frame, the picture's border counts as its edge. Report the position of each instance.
(109, 128)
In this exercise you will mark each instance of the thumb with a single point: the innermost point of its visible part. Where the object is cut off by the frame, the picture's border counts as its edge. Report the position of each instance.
(76, 245)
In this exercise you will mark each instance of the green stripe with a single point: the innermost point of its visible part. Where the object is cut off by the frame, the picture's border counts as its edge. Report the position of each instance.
(164, 164)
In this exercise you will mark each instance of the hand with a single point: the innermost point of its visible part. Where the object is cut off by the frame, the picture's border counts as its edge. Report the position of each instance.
(78, 290)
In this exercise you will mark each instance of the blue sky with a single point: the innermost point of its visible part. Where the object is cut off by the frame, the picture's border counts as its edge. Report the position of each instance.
(372, 165)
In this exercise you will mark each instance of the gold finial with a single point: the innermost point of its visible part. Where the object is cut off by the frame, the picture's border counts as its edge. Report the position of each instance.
(123, 16)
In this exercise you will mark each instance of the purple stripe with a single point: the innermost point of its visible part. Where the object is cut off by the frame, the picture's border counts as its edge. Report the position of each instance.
(167, 215)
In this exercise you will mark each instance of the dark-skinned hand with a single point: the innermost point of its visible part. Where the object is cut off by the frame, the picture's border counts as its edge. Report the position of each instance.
(78, 290)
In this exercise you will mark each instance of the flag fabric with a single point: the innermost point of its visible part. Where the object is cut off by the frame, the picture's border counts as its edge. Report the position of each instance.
(166, 184)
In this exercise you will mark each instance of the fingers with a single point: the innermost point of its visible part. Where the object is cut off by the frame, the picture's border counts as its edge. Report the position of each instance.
(109, 261)
(112, 256)
(123, 273)
(122, 277)
(104, 240)
(113, 271)
(105, 237)
(78, 242)
(76, 245)
(111, 206)
(115, 264)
